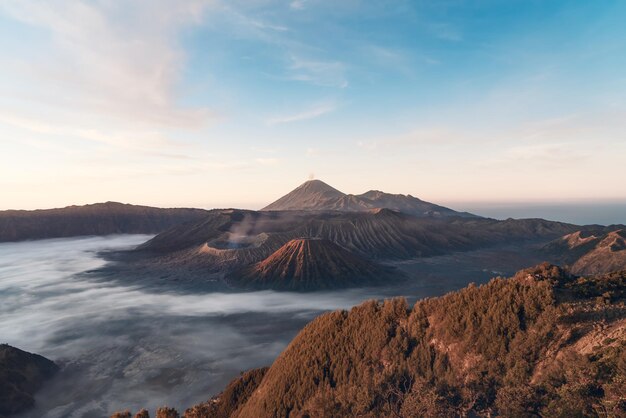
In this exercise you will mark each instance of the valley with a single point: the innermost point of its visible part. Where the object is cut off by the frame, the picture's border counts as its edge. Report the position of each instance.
(312, 209)
(138, 321)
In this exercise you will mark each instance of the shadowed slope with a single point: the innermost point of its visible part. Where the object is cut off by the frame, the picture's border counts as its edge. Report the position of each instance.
(229, 240)
(310, 264)
(21, 375)
(97, 219)
(236, 393)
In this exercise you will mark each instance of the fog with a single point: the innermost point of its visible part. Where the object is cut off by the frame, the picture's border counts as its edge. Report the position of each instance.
(127, 346)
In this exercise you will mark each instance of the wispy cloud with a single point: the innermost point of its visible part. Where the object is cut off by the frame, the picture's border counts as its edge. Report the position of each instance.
(298, 4)
(548, 156)
(110, 59)
(254, 25)
(415, 137)
(267, 161)
(311, 113)
(322, 73)
(145, 142)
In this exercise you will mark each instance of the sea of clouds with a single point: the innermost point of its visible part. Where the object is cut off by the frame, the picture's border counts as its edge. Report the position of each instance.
(126, 345)
(129, 347)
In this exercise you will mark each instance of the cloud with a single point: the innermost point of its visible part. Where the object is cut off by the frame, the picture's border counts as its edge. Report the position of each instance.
(416, 137)
(322, 73)
(267, 161)
(146, 142)
(312, 113)
(541, 155)
(111, 59)
(128, 346)
(298, 4)
(254, 26)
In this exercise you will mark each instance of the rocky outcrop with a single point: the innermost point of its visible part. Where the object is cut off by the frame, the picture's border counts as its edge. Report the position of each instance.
(21, 375)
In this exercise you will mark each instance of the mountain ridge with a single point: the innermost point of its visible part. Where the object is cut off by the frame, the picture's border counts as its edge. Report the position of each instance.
(315, 195)
(227, 240)
(311, 264)
(594, 252)
(541, 343)
(92, 219)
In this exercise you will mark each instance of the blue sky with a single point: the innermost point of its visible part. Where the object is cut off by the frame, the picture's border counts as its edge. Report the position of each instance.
(233, 103)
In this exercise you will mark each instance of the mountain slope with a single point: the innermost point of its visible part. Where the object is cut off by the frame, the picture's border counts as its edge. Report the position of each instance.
(543, 343)
(310, 264)
(381, 234)
(317, 195)
(311, 195)
(591, 253)
(97, 219)
(608, 255)
(227, 240)
(537, 344)
(21, 375)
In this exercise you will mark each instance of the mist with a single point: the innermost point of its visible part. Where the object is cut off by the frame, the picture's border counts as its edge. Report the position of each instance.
(130, 347)
(122, 345)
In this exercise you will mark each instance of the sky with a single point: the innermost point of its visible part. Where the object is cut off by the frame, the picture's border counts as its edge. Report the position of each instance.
(234, 103)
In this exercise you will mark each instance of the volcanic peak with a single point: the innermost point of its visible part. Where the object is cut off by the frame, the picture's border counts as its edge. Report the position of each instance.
(310, 264)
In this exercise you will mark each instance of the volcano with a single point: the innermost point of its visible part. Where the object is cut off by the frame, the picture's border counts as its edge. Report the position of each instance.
(311, 264)
(317, 195)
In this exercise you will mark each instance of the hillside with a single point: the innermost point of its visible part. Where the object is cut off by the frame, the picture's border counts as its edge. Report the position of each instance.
(591, 253)
(21, 375)
(310, 264)
(229, 240)
(317, 195)
(97, 219)
(543, 343)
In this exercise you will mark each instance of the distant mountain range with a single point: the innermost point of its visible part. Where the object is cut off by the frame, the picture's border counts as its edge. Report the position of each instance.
(315, 195)
(356, 231)
(542, 343)
(263, 249)
(97, 219)
(317, 238)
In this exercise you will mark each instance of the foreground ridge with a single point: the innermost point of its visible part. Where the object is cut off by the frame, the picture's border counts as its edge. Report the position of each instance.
(542, 343)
